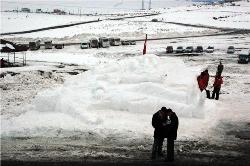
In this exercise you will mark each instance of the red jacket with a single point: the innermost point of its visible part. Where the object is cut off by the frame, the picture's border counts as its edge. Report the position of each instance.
(201, 82)
(218, 81)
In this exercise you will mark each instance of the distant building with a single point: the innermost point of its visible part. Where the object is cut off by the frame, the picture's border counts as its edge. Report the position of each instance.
(27, 10)
(39, 11)
(58, 11)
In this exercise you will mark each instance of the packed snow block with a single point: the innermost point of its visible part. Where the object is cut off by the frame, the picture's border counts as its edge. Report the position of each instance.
(116, 96)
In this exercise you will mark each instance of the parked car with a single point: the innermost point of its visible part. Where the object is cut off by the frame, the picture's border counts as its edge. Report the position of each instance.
(230, 50)
(244, 58)
(35, 45)
(94, 43)
(180, 49)
(169, 49)
(48, 45)
(132, 42)
(199, 49)
(59, 46)
(189, 49)
(125, 42)
(210, 49)
(85, 45)
(154, 20)
(104, 42)
(115, 41)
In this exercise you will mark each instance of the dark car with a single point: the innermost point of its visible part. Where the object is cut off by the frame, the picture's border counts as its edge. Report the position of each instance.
(199, 49)
(169, 49)
(189, 49)
(59, 46)
(244, 58)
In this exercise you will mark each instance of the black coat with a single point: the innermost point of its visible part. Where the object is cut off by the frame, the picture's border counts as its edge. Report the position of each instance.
(165, 131)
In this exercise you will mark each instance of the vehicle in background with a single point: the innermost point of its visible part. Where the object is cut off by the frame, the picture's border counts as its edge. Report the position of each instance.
(94, 43)
(125, 42)
(199, 49)
(210, 49)
(35, 45)
(48, 44)
(189, 49)
(115, 41)
(243, 58)
(132, 42)
(230, 50)
(169, 49)
(104, 42)
(59, 46)
(154, 20)
(180, 49)
(85, 45)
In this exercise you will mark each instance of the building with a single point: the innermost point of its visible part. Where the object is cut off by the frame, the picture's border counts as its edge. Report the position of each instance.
(39, 11)
(27, 10)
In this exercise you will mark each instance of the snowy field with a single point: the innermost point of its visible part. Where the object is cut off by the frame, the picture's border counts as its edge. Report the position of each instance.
(13, 22)
(75, 104)
(222, 16)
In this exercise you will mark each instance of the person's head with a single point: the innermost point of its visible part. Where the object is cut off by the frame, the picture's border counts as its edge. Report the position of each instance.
(206, 71)
(163, 109)
(168, 111)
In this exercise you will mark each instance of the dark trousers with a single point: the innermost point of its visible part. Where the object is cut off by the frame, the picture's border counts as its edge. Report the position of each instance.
(170, 149)
(208, 94)
(157, 147)
(216, 93)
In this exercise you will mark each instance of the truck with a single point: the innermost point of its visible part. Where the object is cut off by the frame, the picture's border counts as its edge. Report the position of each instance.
(48, 44)
(94, 43)
(115, 41)
(35, 45)
(104, 42)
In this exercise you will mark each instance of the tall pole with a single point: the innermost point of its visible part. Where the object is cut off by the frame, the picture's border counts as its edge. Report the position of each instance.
(142, 5)
(149, 6)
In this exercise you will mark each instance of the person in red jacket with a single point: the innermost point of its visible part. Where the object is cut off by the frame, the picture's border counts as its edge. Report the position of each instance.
(203, 79)
(200, 80)
(217, 85)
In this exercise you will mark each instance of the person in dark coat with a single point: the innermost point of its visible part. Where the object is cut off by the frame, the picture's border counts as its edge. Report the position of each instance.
(205, 82)
(165, 122)
(217, 85)
(220, 68)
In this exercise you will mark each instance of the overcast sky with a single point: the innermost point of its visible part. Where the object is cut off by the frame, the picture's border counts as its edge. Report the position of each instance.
(123, 4)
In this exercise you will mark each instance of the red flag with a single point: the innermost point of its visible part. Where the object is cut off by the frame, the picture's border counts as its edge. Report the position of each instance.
(145, 45)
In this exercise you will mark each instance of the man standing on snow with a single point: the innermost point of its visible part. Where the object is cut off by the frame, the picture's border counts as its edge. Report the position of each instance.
(220, 68)
(165, 122)
(217, 85)
(206, 80)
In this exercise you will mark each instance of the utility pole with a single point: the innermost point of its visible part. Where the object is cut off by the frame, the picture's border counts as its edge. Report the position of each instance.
(149, 5)
(142, 5)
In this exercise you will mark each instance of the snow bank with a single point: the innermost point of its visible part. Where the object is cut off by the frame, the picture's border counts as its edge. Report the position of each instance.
(119, 96)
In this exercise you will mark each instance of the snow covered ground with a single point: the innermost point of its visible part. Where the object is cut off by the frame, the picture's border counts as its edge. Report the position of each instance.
(78, 103)
(13, 22)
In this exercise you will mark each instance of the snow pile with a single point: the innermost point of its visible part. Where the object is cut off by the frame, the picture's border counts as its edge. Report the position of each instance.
(119, 96)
